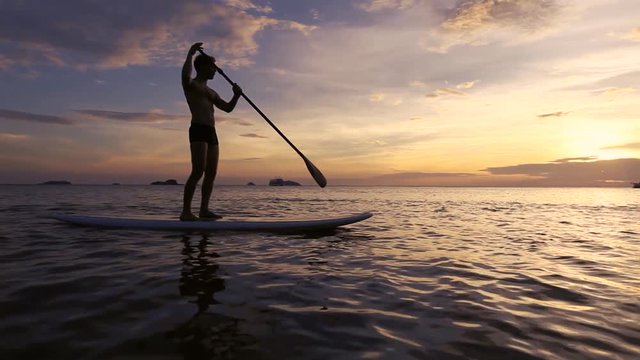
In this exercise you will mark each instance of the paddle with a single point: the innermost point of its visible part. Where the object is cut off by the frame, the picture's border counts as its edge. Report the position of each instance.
(313, 170)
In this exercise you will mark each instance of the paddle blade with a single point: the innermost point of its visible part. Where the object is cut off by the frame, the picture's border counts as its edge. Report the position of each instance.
(315, 173)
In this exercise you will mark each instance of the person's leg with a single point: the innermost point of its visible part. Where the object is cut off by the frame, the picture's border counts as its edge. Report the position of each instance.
(198, 161)
(210, 172)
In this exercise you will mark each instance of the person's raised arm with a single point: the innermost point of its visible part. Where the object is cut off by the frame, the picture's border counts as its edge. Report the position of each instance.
(186, 68)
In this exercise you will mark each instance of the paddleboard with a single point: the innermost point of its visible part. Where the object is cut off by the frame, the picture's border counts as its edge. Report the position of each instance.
(231, 225)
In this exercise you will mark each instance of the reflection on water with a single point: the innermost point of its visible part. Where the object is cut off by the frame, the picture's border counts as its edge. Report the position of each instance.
(198, 277)
(207, 334)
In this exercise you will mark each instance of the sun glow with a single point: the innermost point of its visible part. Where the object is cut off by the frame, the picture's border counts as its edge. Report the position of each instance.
(611, 154)
(596, 141)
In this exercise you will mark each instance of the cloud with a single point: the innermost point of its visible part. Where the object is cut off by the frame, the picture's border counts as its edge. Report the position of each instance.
(612, 91)
(381, 5)
(583, 158)
(25, 116)
(623, 83)
(479, 22)
(417, 84)
(378, 97)
(393, 100)
(252, 135)
(119, 33)
(138, 117)
(150, 117)
(451, 91)
(5, 62)
(233, 121)
(553, 114)
(235, 31)
(626, 80)
(633, 34)
(365, 63)
(578, 173)
(467, 85)
(630, 146)
(479, 14)
(444, 92)
(248, 5)
(13, 137)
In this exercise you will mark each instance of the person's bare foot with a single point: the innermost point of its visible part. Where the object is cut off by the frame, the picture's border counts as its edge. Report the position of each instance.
(208, 215)
(188, 217)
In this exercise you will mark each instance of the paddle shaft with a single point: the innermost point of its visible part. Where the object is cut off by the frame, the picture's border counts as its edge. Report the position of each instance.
(262, 114)
(315, 172)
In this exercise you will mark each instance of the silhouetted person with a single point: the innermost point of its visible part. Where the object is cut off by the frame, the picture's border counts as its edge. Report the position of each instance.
(202, 132)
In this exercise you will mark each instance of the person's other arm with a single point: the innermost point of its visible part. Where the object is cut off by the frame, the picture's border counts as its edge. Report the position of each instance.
(227, 106)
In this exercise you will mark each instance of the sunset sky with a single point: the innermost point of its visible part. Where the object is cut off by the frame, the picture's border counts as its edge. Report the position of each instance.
(379, 92)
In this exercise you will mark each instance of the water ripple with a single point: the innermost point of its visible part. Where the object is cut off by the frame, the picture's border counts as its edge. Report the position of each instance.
(435, 274)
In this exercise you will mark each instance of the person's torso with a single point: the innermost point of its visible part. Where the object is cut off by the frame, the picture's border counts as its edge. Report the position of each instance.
(200, 100)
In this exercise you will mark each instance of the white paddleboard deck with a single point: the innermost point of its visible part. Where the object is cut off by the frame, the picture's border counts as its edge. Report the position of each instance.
(231, 225)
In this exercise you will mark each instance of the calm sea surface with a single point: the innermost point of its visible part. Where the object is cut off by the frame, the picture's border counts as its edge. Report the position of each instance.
(437, 273)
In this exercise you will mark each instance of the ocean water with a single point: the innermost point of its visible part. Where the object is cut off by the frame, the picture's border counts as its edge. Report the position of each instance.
(437, 273)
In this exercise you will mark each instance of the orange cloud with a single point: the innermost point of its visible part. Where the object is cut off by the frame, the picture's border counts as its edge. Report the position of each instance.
(445, 91)
(583, 171)
(617, 91)
(454, 91)
(13, 137)
(553, 114)
(477, 22)
(630, 146)
(633, 34)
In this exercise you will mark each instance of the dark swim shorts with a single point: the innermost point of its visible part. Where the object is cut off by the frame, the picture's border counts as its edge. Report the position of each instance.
(204, 133)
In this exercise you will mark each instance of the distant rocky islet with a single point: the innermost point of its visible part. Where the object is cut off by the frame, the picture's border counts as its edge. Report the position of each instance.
(281, 182)
(166, 182)
(56, 182)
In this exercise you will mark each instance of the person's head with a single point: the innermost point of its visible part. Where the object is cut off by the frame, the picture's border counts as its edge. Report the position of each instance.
(205, 66)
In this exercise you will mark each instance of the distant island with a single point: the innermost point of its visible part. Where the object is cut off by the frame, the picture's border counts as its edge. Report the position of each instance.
(251, 184)
(56, 182)
(166, 182)
(280, 182)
